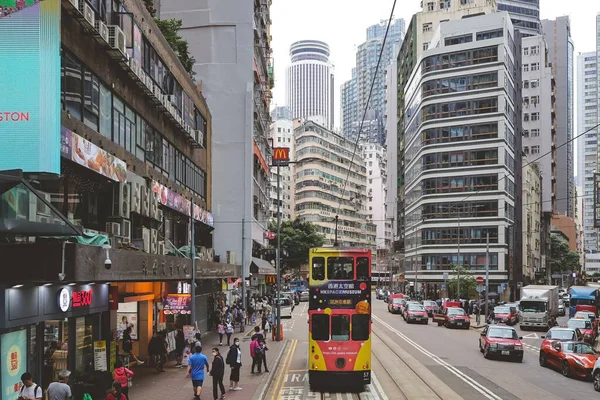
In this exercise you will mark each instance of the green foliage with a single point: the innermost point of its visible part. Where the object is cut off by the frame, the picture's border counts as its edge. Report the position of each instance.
(170, 30)
(562, 258)
(468, 286)
(297, 237)
(150, 7)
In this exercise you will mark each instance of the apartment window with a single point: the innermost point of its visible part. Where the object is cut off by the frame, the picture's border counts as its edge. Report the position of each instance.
(425, 46)
(535, 116)
(535, 100)
(535, 149)
(525, 101)
(535, 66)
(525, 67)
(535, 133)
(526, 117)
(490, 34)
(525, 84)
(535, 83)
(428, 27)
(91, 100)
(465, 2)
(430, 6)
(454, 40)
(535, 50)
(525, 51)
(525, 133)
(526, 150)
(105, 112)
(444, 4)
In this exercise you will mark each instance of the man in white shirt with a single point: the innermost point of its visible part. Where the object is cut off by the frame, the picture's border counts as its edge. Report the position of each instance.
(30, 390)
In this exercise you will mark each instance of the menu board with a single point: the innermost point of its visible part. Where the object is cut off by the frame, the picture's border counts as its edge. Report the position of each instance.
(100, 355)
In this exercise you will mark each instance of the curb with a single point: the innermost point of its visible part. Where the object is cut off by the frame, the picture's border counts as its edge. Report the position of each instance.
(274, 367)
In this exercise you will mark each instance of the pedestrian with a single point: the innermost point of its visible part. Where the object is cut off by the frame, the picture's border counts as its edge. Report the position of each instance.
(60, 390)
(196, 365)
(242, 320)
(234, 360)
(115, 393)
(228, 332)
(217, 371)
(255, 353)
(30, 390)
(122, 375)
(263, 347)
(128, 345)
(158, 351)
(179, 347)
(196, 341)
(221, 332)
(264, 322)
(258, 334)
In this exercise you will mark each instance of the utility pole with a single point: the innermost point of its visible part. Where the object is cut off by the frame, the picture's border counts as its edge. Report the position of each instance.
(193, 255)
(278, 257)
(487, 272)
(243, 268)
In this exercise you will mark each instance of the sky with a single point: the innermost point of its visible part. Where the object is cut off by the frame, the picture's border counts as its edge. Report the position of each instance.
(342, 24)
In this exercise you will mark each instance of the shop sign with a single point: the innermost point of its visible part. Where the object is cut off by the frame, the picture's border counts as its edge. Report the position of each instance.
(77, 149)
(100, 355)
(177, 202)
(14, 363)
(271, 279)
(75, 299)
(281, 156)
(64, 299)
(177, 304)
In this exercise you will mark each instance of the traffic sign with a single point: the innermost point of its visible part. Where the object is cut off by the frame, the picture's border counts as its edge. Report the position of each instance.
(443, 287)
(445, 276)
(480, 288)
(479, 280)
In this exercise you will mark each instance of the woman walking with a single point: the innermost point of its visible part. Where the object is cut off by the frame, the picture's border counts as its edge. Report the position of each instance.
(234, 360)
(221, 331)
(229, 332)
(218, 372)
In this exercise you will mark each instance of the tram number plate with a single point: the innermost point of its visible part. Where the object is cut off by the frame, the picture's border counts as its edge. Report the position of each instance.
(505, 353)
(366, 375)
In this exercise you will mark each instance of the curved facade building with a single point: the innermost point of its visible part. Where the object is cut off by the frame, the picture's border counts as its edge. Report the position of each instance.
(310, 90)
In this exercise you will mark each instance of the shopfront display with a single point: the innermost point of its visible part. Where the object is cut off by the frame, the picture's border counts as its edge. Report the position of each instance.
(14, 362)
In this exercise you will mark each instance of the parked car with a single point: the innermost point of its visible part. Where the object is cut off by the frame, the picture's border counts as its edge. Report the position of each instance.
(571, 358)
(416, 313)
(501, 340)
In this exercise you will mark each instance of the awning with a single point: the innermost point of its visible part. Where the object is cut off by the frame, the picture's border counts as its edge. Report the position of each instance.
(261, 267)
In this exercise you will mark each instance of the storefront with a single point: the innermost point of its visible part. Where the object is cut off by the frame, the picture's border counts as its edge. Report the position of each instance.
(45, 329)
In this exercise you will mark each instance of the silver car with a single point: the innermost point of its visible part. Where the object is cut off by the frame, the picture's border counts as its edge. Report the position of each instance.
(304, 295)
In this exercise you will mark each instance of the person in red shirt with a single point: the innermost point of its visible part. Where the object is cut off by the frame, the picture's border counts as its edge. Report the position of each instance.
(115, 392)
(122, 375)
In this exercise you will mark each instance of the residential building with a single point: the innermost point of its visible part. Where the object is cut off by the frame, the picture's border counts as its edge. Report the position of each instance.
(133, 185)
(539, 132)
(367, 58)
(231, 43)
(391, 117)
(376, 163)
(349, 103)
(331, 181)
(462, 164)
(587, 119)
(532, 222)
(525, 15)
(310, 83)
(567, 227)
(560, 54)
(282, 135)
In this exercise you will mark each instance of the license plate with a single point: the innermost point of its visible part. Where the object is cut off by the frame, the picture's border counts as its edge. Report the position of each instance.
(505, 352)
(459, 323)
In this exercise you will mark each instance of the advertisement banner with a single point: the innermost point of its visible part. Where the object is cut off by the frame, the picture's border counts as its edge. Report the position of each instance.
(14, 363)
(30, 82)
(180, 204)
(77, 149)
(177, 304)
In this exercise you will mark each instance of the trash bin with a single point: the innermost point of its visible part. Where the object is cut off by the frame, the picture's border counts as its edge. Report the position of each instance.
(273, 333)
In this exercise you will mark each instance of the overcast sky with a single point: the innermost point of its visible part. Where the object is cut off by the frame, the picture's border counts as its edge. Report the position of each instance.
(342, 24)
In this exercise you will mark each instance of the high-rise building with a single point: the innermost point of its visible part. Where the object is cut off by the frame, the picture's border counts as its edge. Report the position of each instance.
(309, 82)
(462, 178)
(391, 118)
(282, 135)
(525, 15)
(532, 222)
(587, 119)
(330, 181)
(376, 163)
(367, 55)
(231, 43)
(560, 54)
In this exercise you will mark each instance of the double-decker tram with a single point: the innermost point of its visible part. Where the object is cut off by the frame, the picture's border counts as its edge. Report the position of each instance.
(339, 343)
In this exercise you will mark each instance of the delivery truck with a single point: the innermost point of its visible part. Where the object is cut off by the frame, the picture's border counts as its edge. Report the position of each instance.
(538, 304)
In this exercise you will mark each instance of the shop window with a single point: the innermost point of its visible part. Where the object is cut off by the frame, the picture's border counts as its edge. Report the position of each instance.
(84, 342)
(318, 269)
(340, 268)
(340, 327)
(56, 344)
(360, 326)
(320, 327)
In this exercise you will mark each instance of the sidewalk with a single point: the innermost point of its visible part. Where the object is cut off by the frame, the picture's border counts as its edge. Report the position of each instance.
(474, 323)
(148, 384)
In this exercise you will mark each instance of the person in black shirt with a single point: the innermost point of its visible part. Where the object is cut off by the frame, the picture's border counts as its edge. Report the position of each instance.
(218, 372)
(128, 346)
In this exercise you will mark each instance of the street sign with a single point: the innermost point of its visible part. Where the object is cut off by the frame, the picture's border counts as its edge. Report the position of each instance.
(480, 288)
(479, 280)
(443, 287)
(445, 276)
(281, 156)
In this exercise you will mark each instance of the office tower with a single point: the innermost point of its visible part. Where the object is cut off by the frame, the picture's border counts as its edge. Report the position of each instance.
(525, 15)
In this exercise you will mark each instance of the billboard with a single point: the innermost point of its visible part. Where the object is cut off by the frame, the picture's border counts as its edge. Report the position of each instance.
(30, 82)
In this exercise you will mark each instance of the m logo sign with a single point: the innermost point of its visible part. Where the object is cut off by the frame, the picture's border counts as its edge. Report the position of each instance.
(281, 156)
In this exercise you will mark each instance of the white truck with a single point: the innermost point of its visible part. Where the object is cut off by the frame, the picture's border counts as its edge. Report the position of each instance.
(538, 304)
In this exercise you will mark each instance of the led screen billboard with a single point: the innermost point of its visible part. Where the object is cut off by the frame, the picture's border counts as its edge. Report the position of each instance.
(30, 85)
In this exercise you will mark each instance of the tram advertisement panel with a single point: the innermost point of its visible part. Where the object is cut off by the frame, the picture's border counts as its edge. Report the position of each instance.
(341, 295)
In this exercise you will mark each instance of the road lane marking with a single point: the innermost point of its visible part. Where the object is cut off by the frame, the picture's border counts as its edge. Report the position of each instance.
(380, 392)
(487, 393)
(283, 371)
(531, 336)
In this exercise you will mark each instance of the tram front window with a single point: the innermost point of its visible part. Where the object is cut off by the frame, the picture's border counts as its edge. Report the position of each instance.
(340, 327)
(340, 267)
(360, 327)
(320, 327)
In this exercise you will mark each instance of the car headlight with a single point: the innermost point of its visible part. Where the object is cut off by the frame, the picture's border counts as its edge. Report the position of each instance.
(518, 347)
(493, 345)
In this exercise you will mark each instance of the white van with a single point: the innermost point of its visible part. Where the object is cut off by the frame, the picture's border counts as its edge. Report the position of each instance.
(286, 307)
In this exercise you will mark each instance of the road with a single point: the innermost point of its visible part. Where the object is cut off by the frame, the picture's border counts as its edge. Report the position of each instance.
(453, 356)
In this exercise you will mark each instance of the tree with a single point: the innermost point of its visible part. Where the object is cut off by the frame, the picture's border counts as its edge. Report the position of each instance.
(297, 237)
(562, 259)
(150, 7)
(468, 286)
(170, 30)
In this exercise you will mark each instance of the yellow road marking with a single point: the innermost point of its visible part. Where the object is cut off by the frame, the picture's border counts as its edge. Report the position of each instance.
(284, 370)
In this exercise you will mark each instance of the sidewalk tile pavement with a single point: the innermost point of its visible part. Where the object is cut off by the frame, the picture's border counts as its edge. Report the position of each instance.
(148, 384)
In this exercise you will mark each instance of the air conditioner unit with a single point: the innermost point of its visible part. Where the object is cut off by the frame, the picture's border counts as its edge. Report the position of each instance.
(199, 136)
(153, 208)
(149, 83)
(172, 99)
(178, 118)
(75, 3)
(102, 30)
(113, 228)
(116, 39)
(88, 13)
(161, 247)
(121, 200)
(126, 229)
(159, 215)
(146, 239)
(153, 241)
(145, 202)
(133, 64)
(136, 197)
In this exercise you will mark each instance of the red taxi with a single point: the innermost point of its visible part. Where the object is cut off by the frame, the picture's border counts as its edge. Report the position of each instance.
(506, 314)
(415, 312)
(501, 340)
(453, 317)
(572, 358)
(588, 315)
(431, 307)
(395, 304)
(586, 328)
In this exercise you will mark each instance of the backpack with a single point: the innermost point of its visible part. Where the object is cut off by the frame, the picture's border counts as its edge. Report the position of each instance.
(258, 352)
(35, 389)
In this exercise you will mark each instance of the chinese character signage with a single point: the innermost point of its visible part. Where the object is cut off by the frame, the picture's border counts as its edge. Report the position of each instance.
(14, 363)
(75, 299)
(341, 294)
(82, 299)
(179, 203)
(77, 149)
(281, 156)
(30, 85)
(177, 304)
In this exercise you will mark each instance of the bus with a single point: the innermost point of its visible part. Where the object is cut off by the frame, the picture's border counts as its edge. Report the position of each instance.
(298, 285)
(339, 316)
